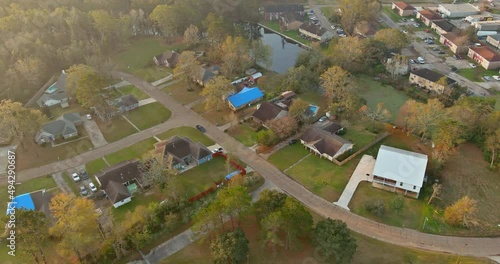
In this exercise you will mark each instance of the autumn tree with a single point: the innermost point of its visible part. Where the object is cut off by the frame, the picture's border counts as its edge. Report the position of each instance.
(380, 113)
(75, 225)
(156, 169)
(351, 54)
(90, 90)
(216, 90)
(337, 82)
(283, 127)
(260, 53)
(235, 56)
(271, 228)
(230, 247)
(473, 113)
(187, 67)
(357, 10)
(32, 230)
(393, 38)
(436, 191)
(446, 137)
(492, 144)
(192, 35)
(397, 66)
(74, 74)
(296, 79)
(333, 239)
(461, 213)
(174, 19)
(421, 118)
(18, 122)
(216, 28)
(30, 69)
(298, 109)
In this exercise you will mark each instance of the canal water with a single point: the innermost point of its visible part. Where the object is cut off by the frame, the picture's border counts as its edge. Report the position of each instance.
(285, 52)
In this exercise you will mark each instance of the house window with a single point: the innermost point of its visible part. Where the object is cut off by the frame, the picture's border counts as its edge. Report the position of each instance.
(414, 187)
(400, 184)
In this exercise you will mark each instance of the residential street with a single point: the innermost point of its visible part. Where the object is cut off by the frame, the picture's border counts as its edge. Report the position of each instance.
(182, 116)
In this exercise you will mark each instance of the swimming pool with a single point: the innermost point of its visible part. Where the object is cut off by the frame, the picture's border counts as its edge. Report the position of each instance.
(313, 109)
(51, 89)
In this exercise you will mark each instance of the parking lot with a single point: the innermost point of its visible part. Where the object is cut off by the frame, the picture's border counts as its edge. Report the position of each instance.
(84, 185)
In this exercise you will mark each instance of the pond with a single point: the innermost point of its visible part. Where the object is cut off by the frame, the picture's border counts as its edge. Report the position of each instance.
(285, 52)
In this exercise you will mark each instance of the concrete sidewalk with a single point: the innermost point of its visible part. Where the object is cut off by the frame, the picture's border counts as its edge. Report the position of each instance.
(363, 172)
(146, 101)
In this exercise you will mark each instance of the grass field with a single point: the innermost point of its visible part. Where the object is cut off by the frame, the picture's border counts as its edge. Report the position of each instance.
(359, 136)
(71, 184)
(270, 83)
(149, 115)
(144, 199)
(476, 74)
(287, 156)
(244, 134)
(134, 151)
(374, 92)
(116, 129)
(179, 91)
(130, 89)
(95, 166)
(190, 132)
(202, 177)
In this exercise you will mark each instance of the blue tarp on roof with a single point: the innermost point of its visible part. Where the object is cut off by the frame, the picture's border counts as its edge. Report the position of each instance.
(232, 174)
(21, 201)
(245, 96)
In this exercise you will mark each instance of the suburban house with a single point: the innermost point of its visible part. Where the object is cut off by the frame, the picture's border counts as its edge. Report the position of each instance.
(431, 80)
(487, 25)
(274, 12)
(206, 74)
(428, 16)
(116, 107)
(120, 181)
(287, 95)
(291, 21)
(485, 56)
(245, 97)
(167, 59)
(442, 26)
(494, 40)
(36, 201)
(64, 127)
(267, 111)
(183, 152)
(314, 32)
(399, 171)
(403, 8)
(56, 94)
(456, 43)
(324, 143)
(397, 65)
(458, 10)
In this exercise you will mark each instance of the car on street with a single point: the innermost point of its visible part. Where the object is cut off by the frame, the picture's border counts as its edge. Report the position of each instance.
(421, 59)
(496, 77)
(333, 27)
(453, 68)
(412, 61)
(487, 78)
(202, 129)
(92, 187)
(323, 119)
(76, 177)
(472, 65)
(292, 141)
(342, 35)
(412, 19)
(218, 150)
(89, 117)
(83, 190)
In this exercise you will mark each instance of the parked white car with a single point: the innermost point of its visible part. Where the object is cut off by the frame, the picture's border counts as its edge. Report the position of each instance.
(89, 117)
(472, 65)
(496, 77)
(76, 177)
(92, 187)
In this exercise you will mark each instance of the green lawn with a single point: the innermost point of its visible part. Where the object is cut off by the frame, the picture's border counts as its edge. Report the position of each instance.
(149, 115)
(144, 199)
(294, 34)
(476, 74)
(202, 177)
(179, 91)
(393, 15)
(244, 134)
(72, 185)
(134, 151)
(270, 83)
(190, 132)
(358, 135)
(95, 166)
(287, 156)
(130, 89)
(374, 92)
(116, 129)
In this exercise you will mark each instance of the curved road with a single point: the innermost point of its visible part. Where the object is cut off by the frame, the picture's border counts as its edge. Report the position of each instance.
(182, 116)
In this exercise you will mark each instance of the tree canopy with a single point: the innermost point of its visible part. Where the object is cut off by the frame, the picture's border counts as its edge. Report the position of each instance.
(333, 238)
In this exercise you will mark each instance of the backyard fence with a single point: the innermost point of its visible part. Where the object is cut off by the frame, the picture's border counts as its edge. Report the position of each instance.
(340, 163)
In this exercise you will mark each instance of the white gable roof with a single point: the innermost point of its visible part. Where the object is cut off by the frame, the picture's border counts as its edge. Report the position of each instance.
(400, 165)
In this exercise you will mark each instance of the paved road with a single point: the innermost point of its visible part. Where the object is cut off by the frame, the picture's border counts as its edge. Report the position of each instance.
(182, 116)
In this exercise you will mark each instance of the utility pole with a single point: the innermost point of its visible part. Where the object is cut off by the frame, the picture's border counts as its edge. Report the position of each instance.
(425, 221)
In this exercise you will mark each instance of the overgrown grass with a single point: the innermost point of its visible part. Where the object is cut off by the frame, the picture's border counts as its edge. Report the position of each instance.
(149, 115)
(244, 134)
(116, 129)
(202, 177)
(130, 89)
(134, 151)
(190, 132)
(119, 214)
(179, 91)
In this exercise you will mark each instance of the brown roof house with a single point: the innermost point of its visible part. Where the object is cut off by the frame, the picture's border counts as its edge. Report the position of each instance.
(314, 32)
(183, 152)
(64, 127)
(269, 111)
(403, 8)
(485, 56)
(431, 80)
(457, 44)
(167, 59)
(120, 181)
(428, 16)
(324, 143)
(442, 26)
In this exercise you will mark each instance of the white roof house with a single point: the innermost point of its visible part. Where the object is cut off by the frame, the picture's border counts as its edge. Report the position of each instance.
(458, 10)
(399, 170)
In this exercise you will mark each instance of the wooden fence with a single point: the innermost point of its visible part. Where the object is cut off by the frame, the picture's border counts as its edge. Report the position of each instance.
(340, 163)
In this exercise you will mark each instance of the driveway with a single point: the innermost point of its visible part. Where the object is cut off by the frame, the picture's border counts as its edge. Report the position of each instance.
(363, 172)
(94, 133)
(61, 183)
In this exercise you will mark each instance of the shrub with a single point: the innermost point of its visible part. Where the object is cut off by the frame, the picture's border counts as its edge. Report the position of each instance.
(266, 137)
(376, 207)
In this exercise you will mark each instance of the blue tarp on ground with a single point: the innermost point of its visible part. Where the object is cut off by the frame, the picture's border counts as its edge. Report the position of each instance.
(232, 174)
(245, 96)
(21, 201)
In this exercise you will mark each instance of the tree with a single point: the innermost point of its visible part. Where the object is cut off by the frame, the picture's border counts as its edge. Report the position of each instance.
(381, 113)
(74, 74)
(337, 83)
(261, 54)
(447, 136)
(422, 118)
(90, 92)
(436, 191)
(283, 127)
(270, 227)
(30, 69)
(296, 221)
(358, 10)
(346, 108)
(235, 201)
(187, 67)
(216, 29)
(492, 144)
(18, 122)
(216, 90)
(235, 56)
(32, 230)
(266, 137)
(296, 79)
(461, 213)
(192, 35)
(333, 238)
(172, 19)
(298, 109)
(76, 225)
(351, 54)
(230, 247)
(156, 169)
(269, 201)
(393, 38)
